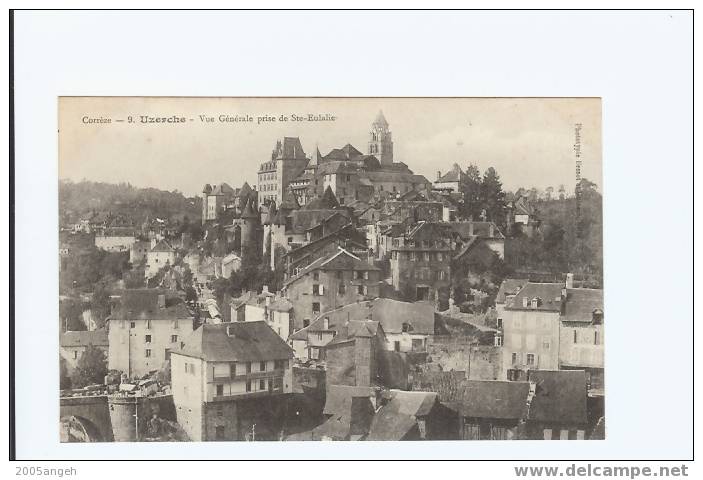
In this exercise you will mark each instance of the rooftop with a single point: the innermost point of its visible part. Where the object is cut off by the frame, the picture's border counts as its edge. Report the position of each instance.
(236, 341)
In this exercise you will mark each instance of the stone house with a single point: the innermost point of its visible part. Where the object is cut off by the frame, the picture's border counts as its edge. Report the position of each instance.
(219, 370)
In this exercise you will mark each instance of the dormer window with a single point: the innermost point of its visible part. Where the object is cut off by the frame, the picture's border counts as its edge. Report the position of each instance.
(597, 317)
(535, 302)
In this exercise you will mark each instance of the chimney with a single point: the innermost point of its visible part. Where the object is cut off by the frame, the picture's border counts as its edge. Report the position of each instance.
(326, 323)
(524, 302)
(491, 228)
(569, 280)
(439, 174)
(471, 229)
(162, 300)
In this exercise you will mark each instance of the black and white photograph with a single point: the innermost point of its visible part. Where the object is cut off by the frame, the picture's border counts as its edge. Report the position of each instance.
(344, 269)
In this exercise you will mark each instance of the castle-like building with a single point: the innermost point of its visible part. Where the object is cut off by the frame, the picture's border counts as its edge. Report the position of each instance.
(350, 174)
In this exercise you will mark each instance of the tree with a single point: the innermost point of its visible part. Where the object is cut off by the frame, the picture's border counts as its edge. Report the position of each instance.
(91, 367)
(100, 305)
(493, 197)
(71, 315)
(64, 379)
(471, 190)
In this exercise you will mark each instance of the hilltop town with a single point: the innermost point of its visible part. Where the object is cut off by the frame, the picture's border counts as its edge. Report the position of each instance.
(339, 297)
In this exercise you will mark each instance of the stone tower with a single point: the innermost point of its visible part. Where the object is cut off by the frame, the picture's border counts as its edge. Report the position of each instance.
(206, 191)
(380, 141)
(250, 228)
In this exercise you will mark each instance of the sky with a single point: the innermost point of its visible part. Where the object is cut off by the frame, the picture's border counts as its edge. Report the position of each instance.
(529, 141)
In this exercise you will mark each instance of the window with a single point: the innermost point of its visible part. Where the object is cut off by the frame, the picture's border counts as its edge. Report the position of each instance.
(366, 275)
(147, 338)
(147, 353)
(279, 364)
(576, 336)
(546, 343)
(174, 338)
(219, 390)
(596, 340)
(360, 289)
(262, 366)
(132, 324)
(530, 358)
(396, 346)
(148, 323)
(342, 289)
(316, 275)
(248, 385)
(499, 323)
(75, 354)
(262, 384)
(514, 359)
(315, 308)
(339, 275)
(248, 370)
(498, 341)
(219, 411)
(319, 336)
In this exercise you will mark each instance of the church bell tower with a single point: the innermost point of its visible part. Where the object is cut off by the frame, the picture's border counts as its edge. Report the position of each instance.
(380, 142)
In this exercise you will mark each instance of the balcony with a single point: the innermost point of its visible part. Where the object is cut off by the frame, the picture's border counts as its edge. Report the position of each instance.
(249, 376)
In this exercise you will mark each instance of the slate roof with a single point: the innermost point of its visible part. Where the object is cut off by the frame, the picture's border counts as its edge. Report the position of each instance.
(96, 338)
(347, 152)
(249, 210)
(222, 189)
(119, 232)
(143, 303)
(580, 304)
(380, 119)
(339, 260)
(398, 418)
(338, 398)
(393, 313)
(549, 293)
(480, 229)
(246, 342)
(328, 201)
(453, 175)
(162, 246)
(289, 148)
(560, 396)
(355, 328)
(494, 399)
(510, 286)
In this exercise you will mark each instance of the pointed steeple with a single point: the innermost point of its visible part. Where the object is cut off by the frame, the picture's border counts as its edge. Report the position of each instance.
(380, 120)
(329, 200)
(248, 210)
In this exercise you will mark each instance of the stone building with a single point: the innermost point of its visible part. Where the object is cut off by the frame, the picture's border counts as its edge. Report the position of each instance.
(329, 282)
(145, 326)
(287, 162)
(352, 355)
(220, 370)
(420, 263)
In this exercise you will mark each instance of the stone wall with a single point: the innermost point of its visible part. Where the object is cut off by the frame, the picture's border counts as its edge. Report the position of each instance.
(482, 362)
